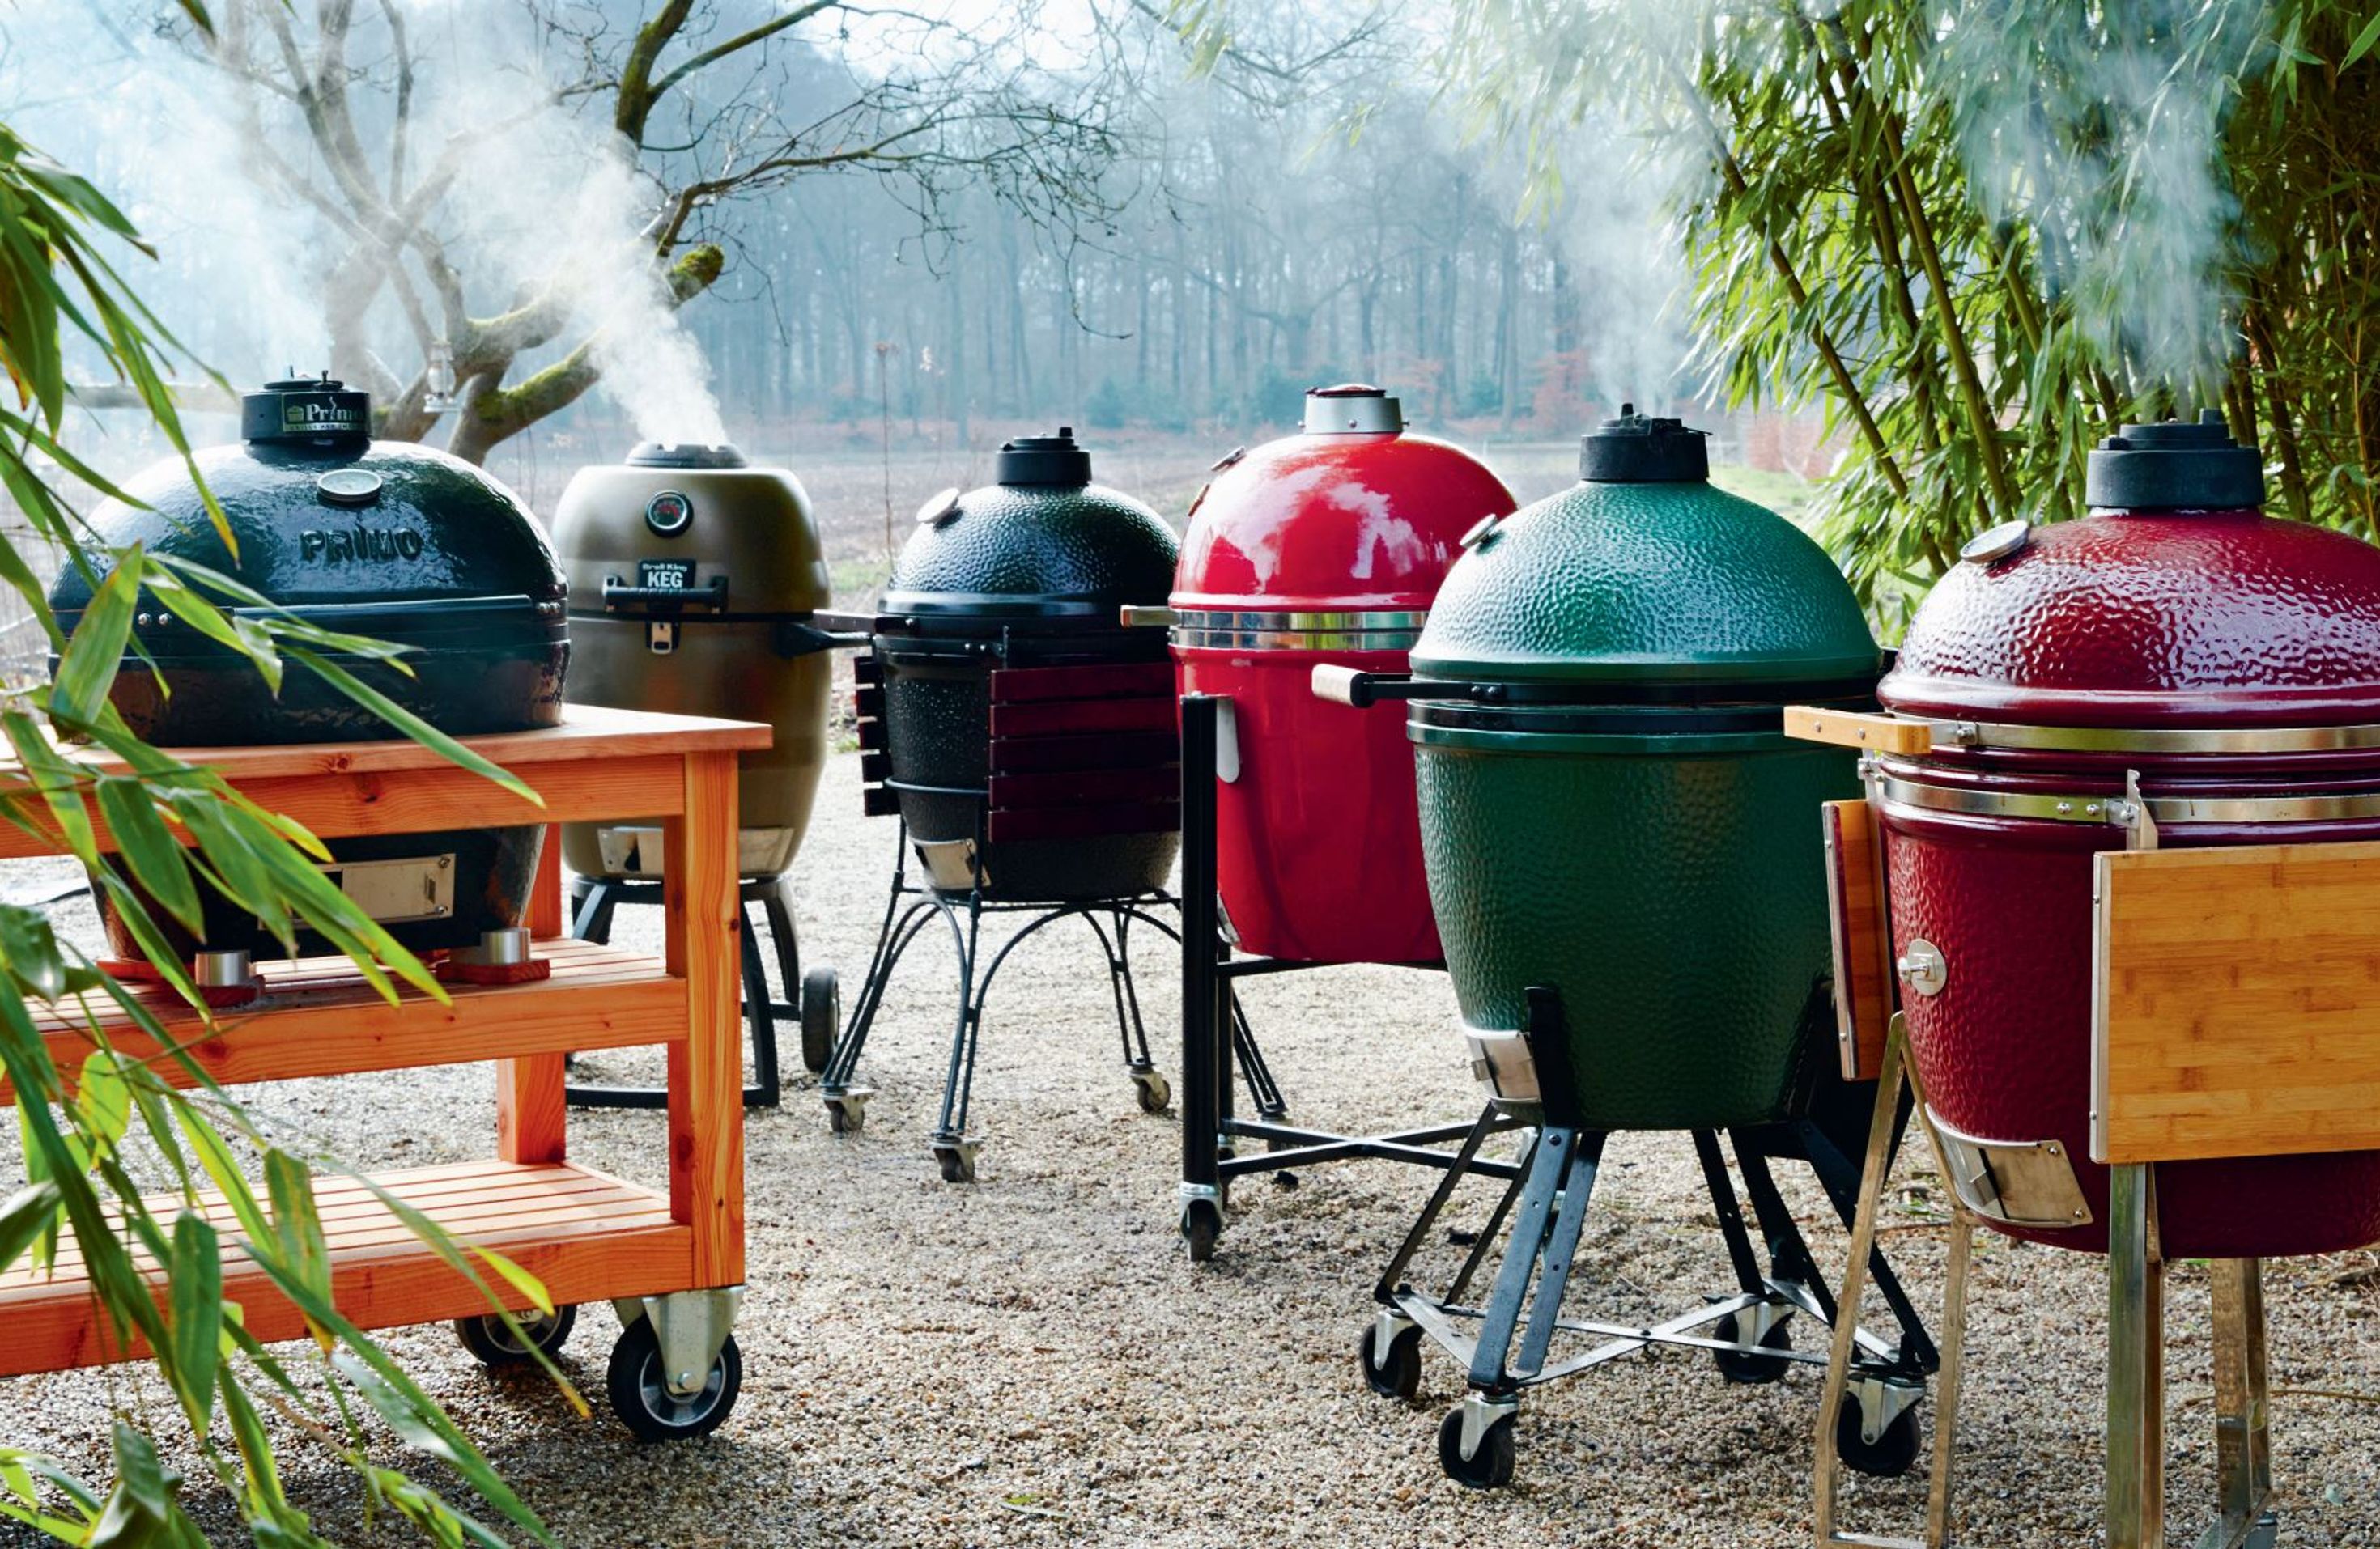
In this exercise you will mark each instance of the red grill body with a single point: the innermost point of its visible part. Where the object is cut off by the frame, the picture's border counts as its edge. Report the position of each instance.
(1324, 547)
(2134, 620)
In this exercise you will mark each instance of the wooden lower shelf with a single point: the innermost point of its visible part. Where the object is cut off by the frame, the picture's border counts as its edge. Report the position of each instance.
(319, 1018)
(588, 1237)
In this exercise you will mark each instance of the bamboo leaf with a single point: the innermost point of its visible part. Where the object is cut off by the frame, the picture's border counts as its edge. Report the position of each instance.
(196, 1280)
(157, 859)
(26, 1214)
(96, 648)
(2365, 42)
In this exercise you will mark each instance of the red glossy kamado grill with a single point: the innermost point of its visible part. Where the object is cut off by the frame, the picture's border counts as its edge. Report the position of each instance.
(1323, 547)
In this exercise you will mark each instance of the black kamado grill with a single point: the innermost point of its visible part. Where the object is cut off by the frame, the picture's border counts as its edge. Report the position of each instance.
(1023, 736)
(393, 542)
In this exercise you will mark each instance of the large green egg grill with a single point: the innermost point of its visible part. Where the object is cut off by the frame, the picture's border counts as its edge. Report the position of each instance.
(1609, 807)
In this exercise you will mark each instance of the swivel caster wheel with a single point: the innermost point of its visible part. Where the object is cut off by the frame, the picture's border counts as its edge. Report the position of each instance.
(1155, 1092)
(492, 1344)
(1489, 1466)
(821, 1018)
(1889, 1454)
(1202, 1223)
(1392, 1367)
(846, 1112)
(956, 1158)
(643, 1400)
(1741, 1366)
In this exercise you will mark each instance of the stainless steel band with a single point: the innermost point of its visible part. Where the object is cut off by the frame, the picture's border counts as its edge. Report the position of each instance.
(1380, 629)
(2103, 808)
(2152, 740)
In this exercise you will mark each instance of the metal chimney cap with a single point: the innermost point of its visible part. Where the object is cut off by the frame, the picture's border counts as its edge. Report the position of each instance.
(307, 411)
(1641, 449)
(684, 454)
(2174, 465)
(1055, 461)
(1353, 408)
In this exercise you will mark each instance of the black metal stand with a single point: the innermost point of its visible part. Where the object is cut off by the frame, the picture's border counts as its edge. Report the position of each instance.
(910, 909)
(1506, 1344)
(815, 1007)
(1210, 968)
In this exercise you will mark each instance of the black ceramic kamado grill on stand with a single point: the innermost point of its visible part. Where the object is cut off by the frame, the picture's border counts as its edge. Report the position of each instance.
(392, 541)
(1025, 740)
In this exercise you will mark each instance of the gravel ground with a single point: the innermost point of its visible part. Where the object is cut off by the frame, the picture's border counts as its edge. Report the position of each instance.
(1030, 1360)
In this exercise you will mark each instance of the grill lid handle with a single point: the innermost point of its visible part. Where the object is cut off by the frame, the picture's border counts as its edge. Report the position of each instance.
(1346, 686)
(1874, 733)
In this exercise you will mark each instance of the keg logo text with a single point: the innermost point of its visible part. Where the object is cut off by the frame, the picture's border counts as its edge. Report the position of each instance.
(341, 545)
(315, 414)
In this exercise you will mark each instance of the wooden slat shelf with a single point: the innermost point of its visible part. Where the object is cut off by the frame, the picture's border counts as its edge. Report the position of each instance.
(588, 1237)
(319, 1018)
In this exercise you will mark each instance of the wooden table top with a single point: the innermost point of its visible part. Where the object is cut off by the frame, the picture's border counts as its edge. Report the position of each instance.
(585, 731)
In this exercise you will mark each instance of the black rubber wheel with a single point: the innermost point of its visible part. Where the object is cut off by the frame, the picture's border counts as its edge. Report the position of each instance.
(1155, 1093)
(647, 1408)
(821, 1017)
(494, 1345)
(1490, 1468)
(1397, 1373)
(1751, 1370)
(1888, 1456)
(1201, 1225)
(956, 1164)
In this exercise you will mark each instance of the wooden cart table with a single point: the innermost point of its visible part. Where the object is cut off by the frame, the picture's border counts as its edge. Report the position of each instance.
(671, 1258)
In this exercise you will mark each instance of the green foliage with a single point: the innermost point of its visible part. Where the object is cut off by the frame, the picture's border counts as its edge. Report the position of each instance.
(178, 831)
(1980, 232)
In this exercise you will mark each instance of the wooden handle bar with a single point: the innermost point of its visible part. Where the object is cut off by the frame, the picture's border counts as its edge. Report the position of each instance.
(1879, 734)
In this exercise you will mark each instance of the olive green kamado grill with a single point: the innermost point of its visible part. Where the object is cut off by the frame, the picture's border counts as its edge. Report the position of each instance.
(1622, 853)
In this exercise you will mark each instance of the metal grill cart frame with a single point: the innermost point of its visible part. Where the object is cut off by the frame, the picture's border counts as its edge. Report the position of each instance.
(1544, 1200)
(1216, 1036)
(816, 1010)
(670, 1258)
(2200, 1050)
(1073, 753)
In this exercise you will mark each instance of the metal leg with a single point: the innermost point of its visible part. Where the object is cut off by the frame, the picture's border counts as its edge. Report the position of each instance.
(1748, 1277)
(2243, 1458)
(2136, 1362)
(1534, 1240)
(1262, 1088)
(1826, 1472)
(760, 1012)
(958, 1081)
(1392, 1277)
(778, 911)
(595, 900)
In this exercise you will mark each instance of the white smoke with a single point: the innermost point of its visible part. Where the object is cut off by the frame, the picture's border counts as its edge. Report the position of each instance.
(2101, 131)
(546, 200)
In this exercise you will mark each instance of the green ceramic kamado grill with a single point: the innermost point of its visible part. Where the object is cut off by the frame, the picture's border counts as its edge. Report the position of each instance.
(1619, 842)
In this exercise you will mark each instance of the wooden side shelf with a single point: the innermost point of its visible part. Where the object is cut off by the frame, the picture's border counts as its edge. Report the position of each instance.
(319, 1018)
(586, 1236)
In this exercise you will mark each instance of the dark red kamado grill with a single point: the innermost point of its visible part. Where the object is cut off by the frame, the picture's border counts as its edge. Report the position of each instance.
(2176, 668)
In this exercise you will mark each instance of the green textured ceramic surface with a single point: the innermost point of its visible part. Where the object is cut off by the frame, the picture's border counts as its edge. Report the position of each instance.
(1645, 582)
(1674, 898)
(1085, 543)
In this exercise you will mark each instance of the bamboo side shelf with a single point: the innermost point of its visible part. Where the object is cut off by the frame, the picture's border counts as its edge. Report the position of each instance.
(588, 1237)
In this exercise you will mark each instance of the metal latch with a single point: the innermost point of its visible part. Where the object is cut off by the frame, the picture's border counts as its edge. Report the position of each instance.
(661, 636)
(2015, 1183)
(1923, 967)
(1500, 1061)
(411, 888)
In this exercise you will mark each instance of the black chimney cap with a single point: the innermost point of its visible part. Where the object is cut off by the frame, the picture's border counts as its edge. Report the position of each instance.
(684, 454)
(307, 411)
(2175, 464)
(1638, 449)
(1054, 460)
